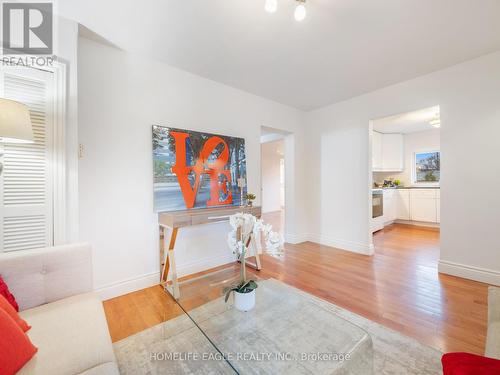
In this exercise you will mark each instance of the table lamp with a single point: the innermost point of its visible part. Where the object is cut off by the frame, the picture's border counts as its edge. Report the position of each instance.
(15, 123)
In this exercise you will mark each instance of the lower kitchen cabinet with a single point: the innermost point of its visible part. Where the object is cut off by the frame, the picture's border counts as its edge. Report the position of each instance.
(412, 205)
(402, 204)
(423, 205)
(390, 206)
(423, 210)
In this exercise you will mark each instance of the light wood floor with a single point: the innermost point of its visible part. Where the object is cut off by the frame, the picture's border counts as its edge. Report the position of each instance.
(398, 287)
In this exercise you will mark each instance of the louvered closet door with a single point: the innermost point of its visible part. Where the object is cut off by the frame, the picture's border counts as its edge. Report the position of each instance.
(26, 202)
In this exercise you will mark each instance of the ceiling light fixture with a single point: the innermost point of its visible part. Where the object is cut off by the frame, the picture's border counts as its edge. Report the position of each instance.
(435, 121)
(271, 6)
(300, 11)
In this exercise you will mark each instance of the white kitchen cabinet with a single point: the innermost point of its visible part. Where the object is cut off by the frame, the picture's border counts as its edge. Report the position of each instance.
(423, 203)
(402, 202)
(387, 152)
(389, 205)
(412, 205)
(392, 152)
(377, 151)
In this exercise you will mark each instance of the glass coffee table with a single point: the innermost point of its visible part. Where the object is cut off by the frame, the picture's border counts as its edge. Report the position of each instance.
(288, 331)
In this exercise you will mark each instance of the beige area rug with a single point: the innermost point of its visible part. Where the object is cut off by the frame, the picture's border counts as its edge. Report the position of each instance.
(179, 347)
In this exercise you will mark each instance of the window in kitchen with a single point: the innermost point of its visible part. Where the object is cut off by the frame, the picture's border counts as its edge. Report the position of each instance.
(427, 167)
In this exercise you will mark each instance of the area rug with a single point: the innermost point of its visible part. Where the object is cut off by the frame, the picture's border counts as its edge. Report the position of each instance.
(179, 347)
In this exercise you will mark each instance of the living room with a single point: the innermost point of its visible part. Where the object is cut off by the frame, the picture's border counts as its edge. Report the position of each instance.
(125, 223)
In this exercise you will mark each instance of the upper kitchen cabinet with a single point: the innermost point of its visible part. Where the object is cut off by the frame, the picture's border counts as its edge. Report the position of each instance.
(388, 152)
(392, 152)
(377, 151)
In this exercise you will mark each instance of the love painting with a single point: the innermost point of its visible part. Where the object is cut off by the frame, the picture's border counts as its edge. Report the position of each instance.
(196, 170)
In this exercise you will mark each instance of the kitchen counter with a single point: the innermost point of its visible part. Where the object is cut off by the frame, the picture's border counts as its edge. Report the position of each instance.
(409, 187)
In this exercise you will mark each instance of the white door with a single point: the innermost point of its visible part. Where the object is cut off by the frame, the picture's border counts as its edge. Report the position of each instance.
(26, 185)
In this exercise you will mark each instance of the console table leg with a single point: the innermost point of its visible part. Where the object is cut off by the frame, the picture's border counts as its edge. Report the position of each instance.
(170, 265)
(258, 266)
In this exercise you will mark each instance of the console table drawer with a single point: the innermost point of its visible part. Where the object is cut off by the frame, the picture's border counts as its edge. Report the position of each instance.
(208, 217)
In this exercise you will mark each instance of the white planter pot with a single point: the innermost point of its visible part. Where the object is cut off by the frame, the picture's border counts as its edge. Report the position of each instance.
(244, 301)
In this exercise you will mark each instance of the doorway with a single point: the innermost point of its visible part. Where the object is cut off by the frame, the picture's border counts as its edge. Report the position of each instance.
(405, 176)
(273, 179)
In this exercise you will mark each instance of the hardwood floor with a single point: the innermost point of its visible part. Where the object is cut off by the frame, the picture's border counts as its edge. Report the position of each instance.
(399, 287)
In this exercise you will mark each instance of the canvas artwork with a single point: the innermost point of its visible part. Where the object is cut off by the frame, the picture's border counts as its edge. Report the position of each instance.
(196, 170)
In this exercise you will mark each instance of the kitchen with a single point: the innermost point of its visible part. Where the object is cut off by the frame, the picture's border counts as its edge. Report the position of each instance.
(406, 169)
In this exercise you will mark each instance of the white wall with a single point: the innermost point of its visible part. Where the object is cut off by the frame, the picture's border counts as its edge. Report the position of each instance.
(120, 97)
(339, 149)
(271, 155)
(428, 140)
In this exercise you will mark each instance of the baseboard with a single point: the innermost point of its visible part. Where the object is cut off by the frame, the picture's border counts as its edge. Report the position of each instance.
(296, 238)
(469, 272)
(355, 247)
(204, 264)
(417, 223)
(145, 281)
(128, 286)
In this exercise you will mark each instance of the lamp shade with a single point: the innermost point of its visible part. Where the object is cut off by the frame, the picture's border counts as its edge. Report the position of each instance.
(15, 122)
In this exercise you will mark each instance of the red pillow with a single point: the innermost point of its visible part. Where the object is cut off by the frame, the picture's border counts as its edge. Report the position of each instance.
(5, 306)
(469, 364)
(15, 347)
(4, 291)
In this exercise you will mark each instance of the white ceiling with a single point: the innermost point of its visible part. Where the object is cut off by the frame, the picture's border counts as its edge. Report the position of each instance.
(344, 47)
(406, 123)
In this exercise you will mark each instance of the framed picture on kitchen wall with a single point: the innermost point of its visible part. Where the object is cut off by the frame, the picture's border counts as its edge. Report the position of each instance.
(196, 170)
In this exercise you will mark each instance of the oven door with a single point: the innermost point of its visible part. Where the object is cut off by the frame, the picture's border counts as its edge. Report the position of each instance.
(377, 203)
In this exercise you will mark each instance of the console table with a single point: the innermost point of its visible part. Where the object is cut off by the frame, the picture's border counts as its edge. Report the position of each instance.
(178, 219)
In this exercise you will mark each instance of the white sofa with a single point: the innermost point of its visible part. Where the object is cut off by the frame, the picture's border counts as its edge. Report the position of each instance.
(493, 336)
(53, 287)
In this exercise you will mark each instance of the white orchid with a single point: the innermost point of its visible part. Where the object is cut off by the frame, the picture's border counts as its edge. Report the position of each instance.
(249, 224)
(274, 243)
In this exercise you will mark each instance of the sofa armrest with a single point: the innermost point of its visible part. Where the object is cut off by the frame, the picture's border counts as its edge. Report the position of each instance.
(45, 275)
(493, 335)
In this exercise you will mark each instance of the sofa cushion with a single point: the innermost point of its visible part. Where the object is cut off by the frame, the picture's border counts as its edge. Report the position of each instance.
(71, 335)
(46, 275)
(4, 291)
(7, 307)
(15, 347)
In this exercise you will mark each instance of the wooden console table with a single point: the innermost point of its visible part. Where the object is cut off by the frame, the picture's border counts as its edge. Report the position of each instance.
(179, 219)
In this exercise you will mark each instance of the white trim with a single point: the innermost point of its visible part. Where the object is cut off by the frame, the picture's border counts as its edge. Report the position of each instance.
(133, 284)
(417, 223)
(59, 154)
(204, 264)
(483, 275)
(355, 247)
(296, 238)
(126, 286)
